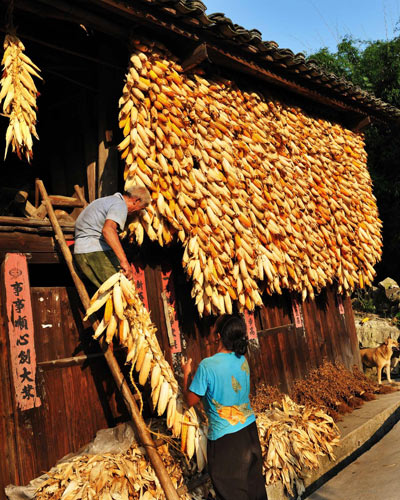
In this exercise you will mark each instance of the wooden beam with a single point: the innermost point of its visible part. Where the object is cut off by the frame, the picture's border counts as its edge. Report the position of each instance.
(79, 191)
(40, 212)
(361, 125)
(28, 210)
(196, 57)
(65, 201)
(71, 361)
(75, 13)
(57, 48)
(33, 230)
(107, 158)
(25, 222)
(289, 327)
(68, 79)
(21, 196)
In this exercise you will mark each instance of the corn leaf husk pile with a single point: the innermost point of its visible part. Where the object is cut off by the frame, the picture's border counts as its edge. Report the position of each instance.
(127, 320)
(335, 389)
(114, 476)
(254, 189)
(264, 396)
(19, 92)
(292, 438)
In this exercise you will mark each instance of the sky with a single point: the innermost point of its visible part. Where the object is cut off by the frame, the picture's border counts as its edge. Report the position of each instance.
(308, 25)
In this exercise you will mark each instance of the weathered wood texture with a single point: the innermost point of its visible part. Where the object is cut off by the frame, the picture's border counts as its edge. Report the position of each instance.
(80, 399)
(40, 248)
(285, 353)
(77, 400)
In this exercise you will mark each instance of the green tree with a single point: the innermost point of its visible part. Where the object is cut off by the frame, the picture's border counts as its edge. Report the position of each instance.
(375, 67)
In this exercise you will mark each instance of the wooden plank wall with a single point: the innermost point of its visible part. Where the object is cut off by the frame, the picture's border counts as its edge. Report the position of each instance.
(284, 354)
(80, 399)
(77, 400)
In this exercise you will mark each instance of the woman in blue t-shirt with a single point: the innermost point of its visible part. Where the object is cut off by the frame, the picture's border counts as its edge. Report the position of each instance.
(222, 383)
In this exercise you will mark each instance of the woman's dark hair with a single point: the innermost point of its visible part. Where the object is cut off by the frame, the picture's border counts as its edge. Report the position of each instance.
(233, 333)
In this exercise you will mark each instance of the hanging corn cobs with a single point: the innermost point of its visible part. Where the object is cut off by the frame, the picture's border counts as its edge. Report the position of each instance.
(255, 190)
(126, 318)
(19, 93)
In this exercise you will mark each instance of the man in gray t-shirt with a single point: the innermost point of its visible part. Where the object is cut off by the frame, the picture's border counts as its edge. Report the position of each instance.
(98, 250)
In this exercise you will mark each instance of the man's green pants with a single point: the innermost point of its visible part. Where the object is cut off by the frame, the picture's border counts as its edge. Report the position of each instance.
(97, 266)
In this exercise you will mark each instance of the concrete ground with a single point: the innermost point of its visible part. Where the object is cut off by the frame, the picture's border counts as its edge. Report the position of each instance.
(375, 475)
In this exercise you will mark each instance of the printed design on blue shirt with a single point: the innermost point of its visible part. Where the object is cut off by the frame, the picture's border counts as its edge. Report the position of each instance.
(245, 366)
(235, 385)
(233, 414)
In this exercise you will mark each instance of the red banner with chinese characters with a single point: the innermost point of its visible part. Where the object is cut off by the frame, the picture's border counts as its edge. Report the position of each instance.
(140, 284)
(250, 325)
(20, 330)
(296, 309)
(173, 327)
(340, 304)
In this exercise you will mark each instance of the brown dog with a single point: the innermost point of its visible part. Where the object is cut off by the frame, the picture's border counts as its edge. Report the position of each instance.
(379, 357)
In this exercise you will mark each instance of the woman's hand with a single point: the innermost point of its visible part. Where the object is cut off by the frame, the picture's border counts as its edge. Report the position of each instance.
(186, 365)
(190, 397)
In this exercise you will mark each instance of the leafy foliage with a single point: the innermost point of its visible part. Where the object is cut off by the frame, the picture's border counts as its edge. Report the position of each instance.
(375, 67)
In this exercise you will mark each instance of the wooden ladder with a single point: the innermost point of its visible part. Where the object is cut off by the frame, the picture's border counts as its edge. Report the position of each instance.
(121, 383)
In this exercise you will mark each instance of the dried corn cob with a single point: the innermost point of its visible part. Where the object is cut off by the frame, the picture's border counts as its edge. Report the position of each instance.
(19, 93)
(255, 190)
(126, 318)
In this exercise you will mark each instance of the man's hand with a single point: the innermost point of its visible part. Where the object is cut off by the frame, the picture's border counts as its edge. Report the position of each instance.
(126, 268)
(111, 236)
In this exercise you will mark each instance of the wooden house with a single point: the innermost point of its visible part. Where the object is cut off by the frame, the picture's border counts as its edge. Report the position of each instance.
(252, 134)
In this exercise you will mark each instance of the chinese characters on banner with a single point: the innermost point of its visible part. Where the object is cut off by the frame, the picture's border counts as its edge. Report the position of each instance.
(140, 284)
(296, 309)
(168, 288)
(250, 325)
(20, 330)
(340, 303)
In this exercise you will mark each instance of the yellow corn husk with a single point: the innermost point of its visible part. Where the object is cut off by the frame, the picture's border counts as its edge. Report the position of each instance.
(108, 311)
(111, 328)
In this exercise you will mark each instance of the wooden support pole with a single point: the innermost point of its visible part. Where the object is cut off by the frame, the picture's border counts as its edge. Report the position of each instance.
(196, 57)
(79, 192)
(140, 425)
(22, 221)
(65, 201)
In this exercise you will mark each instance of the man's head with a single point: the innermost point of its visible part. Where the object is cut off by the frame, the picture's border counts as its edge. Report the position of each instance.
(136, 198)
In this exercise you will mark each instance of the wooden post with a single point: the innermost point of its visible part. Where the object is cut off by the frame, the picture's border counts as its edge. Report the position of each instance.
(107, 157)
(79, 192)
(140, 425)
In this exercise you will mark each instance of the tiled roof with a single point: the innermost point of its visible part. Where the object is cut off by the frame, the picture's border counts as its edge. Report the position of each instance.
(220, 30)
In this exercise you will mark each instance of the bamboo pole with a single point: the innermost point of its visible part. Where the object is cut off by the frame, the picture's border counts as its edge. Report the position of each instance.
(143, 433)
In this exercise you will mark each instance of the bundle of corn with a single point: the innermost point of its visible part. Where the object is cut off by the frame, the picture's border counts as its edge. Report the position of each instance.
(254, 190)
(19, 93)
(335, 389)
(123, 476)
(292, 437)
(126, 318)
